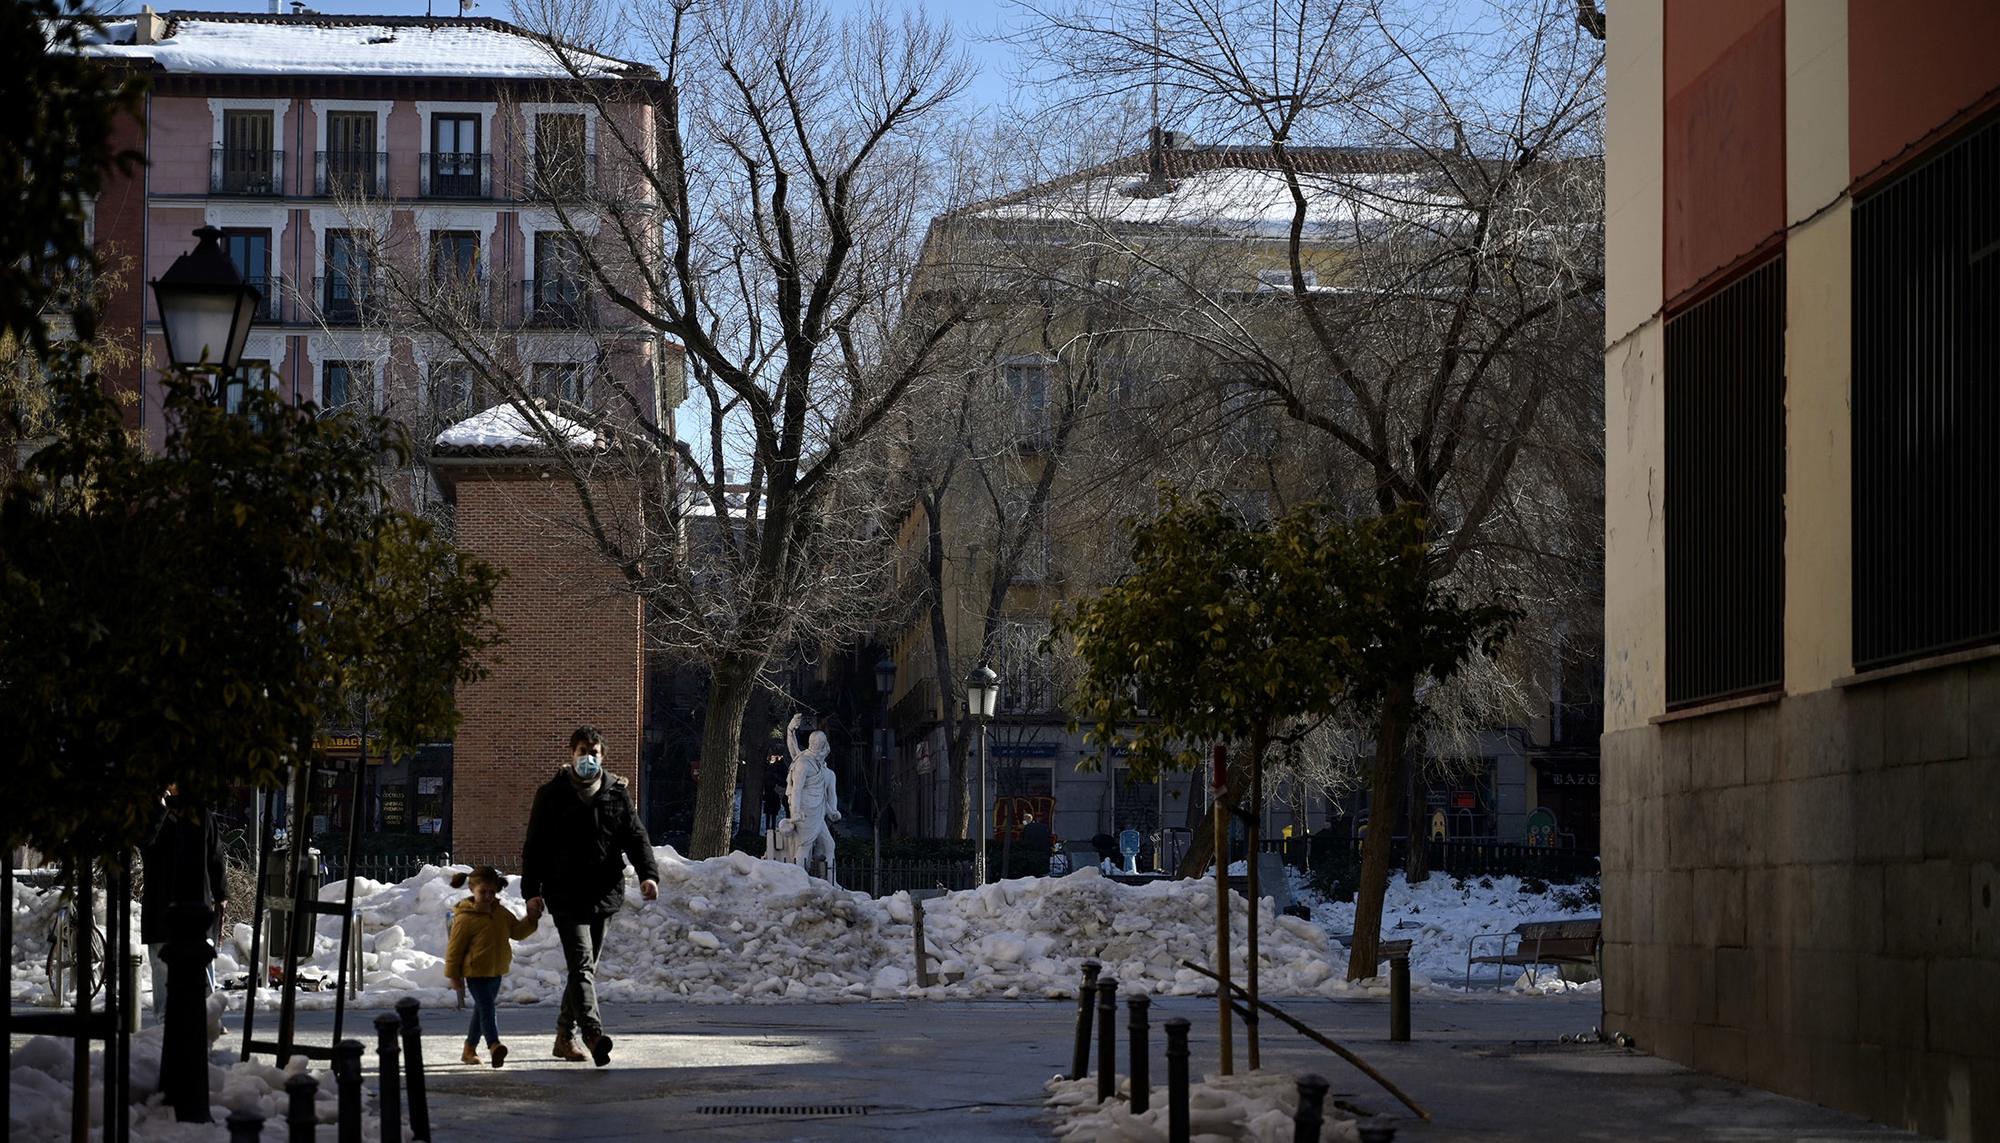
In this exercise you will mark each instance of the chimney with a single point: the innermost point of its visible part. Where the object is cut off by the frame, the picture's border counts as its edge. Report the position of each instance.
(150, 27)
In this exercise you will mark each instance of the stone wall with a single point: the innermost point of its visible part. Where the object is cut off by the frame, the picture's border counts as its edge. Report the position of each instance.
(1801, 895)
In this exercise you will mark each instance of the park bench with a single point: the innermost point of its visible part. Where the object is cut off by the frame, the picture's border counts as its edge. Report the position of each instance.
(1536, 943)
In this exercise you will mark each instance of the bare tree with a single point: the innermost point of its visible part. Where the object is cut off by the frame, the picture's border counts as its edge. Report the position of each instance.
(1398, 240)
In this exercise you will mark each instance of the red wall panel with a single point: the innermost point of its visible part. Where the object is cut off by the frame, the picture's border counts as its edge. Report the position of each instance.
(1724, 136)
(1911, 66)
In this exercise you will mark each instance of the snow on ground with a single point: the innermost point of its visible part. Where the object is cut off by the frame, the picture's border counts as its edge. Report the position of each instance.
(736, 928)
(1441, 916)
(39, 1086)
(1255, 1106)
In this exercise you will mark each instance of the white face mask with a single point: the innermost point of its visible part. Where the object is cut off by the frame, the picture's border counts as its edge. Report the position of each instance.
(588, 767)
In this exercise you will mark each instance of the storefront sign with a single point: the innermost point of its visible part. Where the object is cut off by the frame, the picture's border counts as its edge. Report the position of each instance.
(1024, 749)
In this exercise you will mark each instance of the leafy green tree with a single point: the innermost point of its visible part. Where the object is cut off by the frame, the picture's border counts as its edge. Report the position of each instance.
(1251, 633)
(193, 616)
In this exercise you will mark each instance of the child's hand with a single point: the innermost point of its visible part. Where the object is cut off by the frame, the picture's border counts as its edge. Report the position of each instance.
(535, 909)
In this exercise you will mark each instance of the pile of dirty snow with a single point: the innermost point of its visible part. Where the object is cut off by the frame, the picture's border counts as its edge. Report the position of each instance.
(1256, 1107)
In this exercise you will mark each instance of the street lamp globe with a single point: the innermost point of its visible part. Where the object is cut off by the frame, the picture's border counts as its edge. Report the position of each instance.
(982, 693)
(885, 675)
(205, 307)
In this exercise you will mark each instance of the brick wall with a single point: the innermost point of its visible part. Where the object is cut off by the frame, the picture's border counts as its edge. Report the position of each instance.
(571, 656)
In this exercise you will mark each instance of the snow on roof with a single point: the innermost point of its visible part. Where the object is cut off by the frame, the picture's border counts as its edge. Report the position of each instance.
(217, 43)
(503, 427)
(1240, 200)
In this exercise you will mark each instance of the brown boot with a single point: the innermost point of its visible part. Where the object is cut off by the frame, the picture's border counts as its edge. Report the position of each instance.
(499, 1054)
(566, 1048)
(469, 1056)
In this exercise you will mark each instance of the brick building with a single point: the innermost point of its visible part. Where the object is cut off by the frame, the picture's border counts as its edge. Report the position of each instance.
(572, 650)
(1802, 730)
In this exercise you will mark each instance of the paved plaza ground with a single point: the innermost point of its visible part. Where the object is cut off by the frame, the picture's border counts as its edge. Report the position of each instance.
(1488, 1068)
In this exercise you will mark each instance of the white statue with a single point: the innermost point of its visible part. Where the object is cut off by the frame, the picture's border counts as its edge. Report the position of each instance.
(809, 789)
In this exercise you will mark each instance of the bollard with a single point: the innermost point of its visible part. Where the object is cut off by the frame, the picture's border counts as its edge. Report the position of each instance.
(1177, 1080)
(300, 1118)
(389, 1098)
(1141, 1079)
(347, 1074)
(407, 1010)
(1107, 1039)
(1086, 998)
(1311, 1112)
(1376, 1130)
(245, 1126)
(1399, 997)
(131, 997)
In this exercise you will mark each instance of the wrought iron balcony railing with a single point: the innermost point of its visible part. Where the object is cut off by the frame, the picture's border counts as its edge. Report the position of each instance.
(252, 172)
(556, 301)
(339, 173)
(459, 174)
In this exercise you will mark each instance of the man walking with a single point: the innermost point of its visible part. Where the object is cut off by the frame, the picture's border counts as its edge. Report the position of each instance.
(581, 831)
(183, 856)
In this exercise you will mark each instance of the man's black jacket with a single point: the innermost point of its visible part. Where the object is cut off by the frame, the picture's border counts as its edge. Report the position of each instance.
(575, 852)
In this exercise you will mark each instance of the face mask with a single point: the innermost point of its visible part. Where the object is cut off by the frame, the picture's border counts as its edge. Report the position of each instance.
(588, 767)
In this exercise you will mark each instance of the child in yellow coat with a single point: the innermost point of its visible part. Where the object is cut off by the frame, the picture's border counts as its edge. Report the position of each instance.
(480, 951)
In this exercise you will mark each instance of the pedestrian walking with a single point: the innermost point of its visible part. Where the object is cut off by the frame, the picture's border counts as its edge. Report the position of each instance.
(582, 830)
(479, 952)
(183, 864)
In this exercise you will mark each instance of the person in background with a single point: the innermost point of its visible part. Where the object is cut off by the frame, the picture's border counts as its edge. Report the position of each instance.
(183, 864)
(582, 829)
(480, 951)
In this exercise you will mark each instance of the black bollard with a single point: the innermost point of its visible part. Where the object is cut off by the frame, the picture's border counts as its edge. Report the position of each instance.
(184, 1040)
(1376, 1130)
(389, 1099)
(1311, 1112)
(1399, 997)
(300, 1117)
(1137, 1006)
(413, 1067)
(129, 1000)
(245, 1126)
(1107, 1039)
(1177, 1080)
(347, 1075)
(1086, 999)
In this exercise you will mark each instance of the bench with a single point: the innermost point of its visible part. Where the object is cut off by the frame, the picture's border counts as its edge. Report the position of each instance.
(1536, 943)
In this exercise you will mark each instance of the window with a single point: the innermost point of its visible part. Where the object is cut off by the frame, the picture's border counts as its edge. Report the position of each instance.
(453, 391)
(250, 252)
(561, 165)
(456, 167)
(1926, 407)
(455, 269)
(345, 287)
(1027, 385)
(342, 382)
(557, 292)
(249, 375)
(1033, 566)
(566, 380)
(1725, 491)
(349, 165)
(1023, 669)
(246, 162)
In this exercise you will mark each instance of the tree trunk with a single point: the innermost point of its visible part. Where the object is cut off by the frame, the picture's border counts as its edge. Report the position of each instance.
(947, 683)
(1201, 847)
(1385, 783)
(1417, 855)
(730, 688)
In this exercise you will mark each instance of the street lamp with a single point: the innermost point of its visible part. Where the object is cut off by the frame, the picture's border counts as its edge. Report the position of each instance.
(205, 307)
(885, 684)
(982, 698)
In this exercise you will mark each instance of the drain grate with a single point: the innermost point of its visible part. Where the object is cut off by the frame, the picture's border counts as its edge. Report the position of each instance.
(792, 1110)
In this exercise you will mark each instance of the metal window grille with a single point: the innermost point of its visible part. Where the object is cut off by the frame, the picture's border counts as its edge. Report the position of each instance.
(1725, 491)
(1926, 406)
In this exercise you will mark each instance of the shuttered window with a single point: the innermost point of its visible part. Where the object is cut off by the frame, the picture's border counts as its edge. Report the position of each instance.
(1725, 491)
(1926, 404)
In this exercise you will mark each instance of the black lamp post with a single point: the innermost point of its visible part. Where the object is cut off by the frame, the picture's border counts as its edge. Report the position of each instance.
(205, 308)
(982, 698)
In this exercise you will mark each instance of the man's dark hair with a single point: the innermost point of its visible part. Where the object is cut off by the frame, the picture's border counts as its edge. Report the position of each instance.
(585, 736)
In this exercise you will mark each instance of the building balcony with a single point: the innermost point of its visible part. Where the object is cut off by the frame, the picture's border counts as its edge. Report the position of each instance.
(350, 173)
(246, 172)
(557, 302)
(464, 299)
(343, 300)
(268, 290)
(463, 174)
